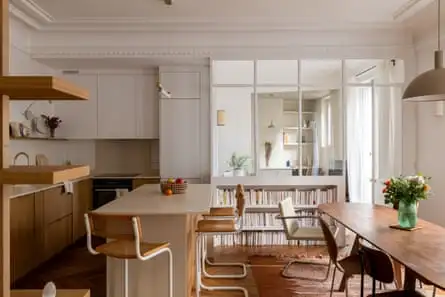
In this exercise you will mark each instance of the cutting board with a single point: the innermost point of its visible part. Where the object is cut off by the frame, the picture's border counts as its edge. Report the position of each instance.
(41, 160)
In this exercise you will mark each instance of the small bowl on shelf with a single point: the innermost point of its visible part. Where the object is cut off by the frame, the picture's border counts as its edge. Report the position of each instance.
(176, 188)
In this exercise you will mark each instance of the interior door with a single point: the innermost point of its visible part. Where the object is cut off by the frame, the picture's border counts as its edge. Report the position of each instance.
(387, 139)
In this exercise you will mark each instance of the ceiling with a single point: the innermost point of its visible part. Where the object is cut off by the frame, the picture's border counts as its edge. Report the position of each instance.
(326, 12)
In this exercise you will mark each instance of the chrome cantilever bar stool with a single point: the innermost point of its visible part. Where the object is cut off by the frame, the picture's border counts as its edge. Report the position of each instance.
(220, 221)
(225, 213)
(124, 234)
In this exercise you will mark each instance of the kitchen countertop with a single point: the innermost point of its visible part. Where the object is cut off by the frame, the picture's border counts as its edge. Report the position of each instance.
(148, 200)
(23, 190)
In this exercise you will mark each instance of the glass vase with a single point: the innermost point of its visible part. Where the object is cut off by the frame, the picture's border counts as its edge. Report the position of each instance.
(407, 214)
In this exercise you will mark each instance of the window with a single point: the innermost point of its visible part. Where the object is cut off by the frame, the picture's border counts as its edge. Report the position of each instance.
(290, 115)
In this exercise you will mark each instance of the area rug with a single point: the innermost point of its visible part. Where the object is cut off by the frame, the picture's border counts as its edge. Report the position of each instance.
(269, 282)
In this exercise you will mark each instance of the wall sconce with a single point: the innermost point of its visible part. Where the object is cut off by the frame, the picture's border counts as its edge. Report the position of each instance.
(220, 117)
(163, 92)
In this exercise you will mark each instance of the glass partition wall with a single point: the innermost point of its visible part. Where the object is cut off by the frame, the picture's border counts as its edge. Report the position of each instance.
(295, 117)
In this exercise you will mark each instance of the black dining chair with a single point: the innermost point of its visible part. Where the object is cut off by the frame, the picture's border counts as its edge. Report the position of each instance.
(379, 267)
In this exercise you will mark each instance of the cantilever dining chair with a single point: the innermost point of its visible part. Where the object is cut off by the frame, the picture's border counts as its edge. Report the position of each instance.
(295, 229)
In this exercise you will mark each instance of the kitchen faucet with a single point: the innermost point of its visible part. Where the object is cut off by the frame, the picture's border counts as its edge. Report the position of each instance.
(21, 154)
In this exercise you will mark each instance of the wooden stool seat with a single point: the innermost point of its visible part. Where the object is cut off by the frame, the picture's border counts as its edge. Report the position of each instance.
(125, 249)
(222, 212)
(210, 226)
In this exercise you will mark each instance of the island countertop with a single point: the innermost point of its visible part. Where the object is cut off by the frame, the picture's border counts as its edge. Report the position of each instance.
(148, 200)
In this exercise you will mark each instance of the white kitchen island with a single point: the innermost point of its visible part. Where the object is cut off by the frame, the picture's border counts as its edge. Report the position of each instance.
(164, 219)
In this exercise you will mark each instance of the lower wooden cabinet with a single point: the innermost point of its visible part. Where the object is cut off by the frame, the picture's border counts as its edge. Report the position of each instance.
(82, 203)
(23, 236)
(58, 235)
(44, 223)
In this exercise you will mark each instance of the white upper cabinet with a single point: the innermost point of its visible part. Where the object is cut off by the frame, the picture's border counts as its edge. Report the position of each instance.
(180, 138)
(182, 85)
(117, 106)
(147, 107)
(79, 118)
(121, 106)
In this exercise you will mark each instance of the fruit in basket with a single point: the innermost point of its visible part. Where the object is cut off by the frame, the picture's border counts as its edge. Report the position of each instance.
(168, 192)
(170, 181)
(179, 180)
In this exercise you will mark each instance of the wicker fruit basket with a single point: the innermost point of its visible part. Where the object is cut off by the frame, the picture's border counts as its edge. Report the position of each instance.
(176, 188)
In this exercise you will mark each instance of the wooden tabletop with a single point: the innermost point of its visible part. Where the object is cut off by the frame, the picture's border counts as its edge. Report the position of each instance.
(421, 250)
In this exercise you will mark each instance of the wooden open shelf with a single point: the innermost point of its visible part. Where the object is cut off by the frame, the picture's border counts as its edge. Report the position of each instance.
(47, 174)
(38, 138)
(40, 88)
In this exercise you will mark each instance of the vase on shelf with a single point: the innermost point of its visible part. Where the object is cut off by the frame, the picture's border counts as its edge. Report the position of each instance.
(407, 214)
(52, 132)
(239, 172)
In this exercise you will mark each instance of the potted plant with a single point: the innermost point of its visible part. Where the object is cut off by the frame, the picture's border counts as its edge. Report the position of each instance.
(404, 193)
(52, 122)
(238, 164)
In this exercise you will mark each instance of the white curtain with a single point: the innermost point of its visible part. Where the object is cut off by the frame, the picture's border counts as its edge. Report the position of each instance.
(359, 143)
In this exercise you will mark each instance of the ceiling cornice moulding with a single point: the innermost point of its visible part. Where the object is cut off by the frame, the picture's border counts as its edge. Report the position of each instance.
(33, 10)
(34, 15)
(258, 52)
(410, 8)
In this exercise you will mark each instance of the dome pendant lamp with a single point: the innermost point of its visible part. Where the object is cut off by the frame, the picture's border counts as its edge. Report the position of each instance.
(430, 85)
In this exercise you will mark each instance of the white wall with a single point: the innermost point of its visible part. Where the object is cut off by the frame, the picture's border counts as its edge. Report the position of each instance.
(236, 136)
(430, 143)
(272, 109)
(22, 64)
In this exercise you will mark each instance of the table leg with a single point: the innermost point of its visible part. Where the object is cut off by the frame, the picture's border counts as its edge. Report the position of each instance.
(410, 280)
(398, 274)
(354, 250)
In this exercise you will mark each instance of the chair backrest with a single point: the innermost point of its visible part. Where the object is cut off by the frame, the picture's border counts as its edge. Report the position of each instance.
(240, 200)
(287, 210)
(377, 264)
(118, 227)
(330, 240)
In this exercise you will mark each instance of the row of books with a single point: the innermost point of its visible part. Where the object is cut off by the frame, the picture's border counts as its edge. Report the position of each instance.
(260, 225)
(271, 197)
(261, 239)
(266, 219)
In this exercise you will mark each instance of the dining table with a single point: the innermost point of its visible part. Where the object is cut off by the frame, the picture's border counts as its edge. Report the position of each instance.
(421, 251)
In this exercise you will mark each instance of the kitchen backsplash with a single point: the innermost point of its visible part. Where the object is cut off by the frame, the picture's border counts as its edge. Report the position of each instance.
(124, 156)
(127, 156)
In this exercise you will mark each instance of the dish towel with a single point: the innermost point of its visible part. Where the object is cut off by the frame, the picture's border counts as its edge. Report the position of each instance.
(68, 187)
(121, 192)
